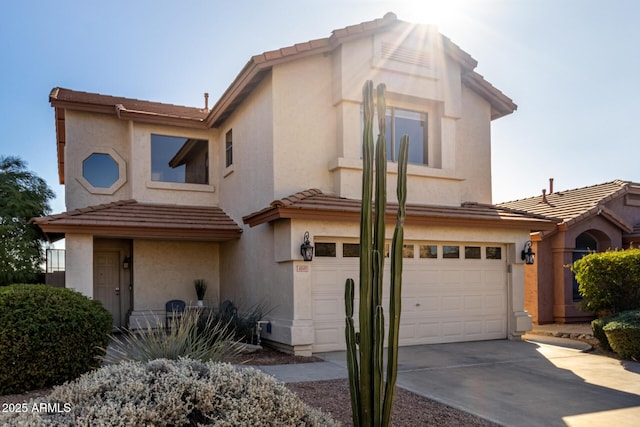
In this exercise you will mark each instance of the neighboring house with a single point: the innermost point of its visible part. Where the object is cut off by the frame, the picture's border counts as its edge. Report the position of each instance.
(590, 219)
(159, 195)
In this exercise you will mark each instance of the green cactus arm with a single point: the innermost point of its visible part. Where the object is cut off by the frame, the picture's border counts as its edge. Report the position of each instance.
(378, 368)
(352, 358)
(395, 303)
(380, 189)
(366, 255)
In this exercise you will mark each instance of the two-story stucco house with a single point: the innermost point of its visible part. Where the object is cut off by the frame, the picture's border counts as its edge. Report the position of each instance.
(159, 195)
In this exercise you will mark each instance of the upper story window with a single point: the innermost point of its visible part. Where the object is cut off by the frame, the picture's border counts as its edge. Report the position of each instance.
(405, 122)
(179, 159)
(401, 122)
(228, 139)
(100, 170)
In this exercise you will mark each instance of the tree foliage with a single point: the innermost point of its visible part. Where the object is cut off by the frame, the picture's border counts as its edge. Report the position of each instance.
(609, 281)
(23, 195)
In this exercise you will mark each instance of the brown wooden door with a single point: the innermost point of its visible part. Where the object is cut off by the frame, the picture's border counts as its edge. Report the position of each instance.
(106, 282)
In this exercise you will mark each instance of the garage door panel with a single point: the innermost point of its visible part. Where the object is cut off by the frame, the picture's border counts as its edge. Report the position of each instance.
(473, 329)
(443, 300)
(495, 326)
(326, 307)
(451, 277)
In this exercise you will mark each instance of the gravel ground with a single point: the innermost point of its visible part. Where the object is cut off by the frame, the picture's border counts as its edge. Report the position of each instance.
(409, 409)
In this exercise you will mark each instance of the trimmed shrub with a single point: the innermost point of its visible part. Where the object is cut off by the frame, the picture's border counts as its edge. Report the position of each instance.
(597, 326)
(167, 392)
(609, 281)
(197, 334)
(48, 336)
(242, 322)
(623, 333)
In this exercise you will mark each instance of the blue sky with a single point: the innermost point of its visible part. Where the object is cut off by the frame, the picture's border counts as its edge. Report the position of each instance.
(572, 66)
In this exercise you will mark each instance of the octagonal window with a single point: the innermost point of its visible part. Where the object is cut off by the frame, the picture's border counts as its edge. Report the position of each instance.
(100, 170)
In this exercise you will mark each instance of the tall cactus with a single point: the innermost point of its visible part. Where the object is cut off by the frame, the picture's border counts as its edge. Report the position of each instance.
(371, 397)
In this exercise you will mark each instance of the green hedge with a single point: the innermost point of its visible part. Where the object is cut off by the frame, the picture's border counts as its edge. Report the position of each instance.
(48, 336)
(609, 282)
(597, 326)
(623, 334)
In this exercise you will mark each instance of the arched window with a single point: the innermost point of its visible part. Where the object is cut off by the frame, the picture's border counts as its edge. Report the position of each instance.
(585, 244)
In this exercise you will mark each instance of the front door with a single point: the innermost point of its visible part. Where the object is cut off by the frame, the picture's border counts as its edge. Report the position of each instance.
(106, 282)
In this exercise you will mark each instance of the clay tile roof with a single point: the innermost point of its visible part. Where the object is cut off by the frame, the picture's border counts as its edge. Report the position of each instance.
(573, 205)
(86, 101)
(314, 204)
(131, 219)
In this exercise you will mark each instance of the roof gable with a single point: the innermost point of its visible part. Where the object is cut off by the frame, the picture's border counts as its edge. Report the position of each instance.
(259, 66)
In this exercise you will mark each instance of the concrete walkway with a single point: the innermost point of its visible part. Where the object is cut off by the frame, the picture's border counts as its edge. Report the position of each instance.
(549, 382)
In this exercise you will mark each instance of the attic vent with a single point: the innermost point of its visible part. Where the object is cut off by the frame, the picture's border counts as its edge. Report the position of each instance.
(406, 55)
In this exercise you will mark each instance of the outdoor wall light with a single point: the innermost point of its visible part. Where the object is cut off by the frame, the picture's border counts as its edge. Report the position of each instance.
(306, 250)
(126, 262)
(527, 254)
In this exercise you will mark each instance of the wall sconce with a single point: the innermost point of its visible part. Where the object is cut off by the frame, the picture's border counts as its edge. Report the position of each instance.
(527, 254)
(306, 250)
(126, 262)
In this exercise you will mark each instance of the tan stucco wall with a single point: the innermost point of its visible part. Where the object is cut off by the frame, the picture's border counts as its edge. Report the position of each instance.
(165, 270)
(89, 133)
(304, 125)
(473, 148)
(79, 263)
(248, 185)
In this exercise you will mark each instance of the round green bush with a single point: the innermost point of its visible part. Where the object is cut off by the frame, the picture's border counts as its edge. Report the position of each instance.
(48, 336)
(164, 392)
(609, 282)
(623, 334)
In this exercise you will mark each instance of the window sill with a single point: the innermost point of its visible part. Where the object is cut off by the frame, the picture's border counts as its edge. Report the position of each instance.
(206, 188)
(228, 171)
(392, 168)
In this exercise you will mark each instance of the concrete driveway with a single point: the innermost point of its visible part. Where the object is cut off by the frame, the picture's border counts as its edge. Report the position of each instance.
(519, 383)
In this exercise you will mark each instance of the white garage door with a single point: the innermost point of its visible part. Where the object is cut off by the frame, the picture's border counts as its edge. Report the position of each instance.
(451, 292)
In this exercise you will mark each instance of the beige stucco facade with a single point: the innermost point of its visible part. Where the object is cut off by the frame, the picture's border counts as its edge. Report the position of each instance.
(294, 124)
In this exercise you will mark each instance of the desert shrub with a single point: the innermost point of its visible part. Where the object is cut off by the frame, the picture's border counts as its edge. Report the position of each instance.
(609, 282)
(242, 322)
(597, 326)
(182, 393)
(197, 334)
(48, 336)
(623, 333)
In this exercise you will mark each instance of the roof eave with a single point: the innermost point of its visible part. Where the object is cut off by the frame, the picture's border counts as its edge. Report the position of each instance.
(275, 213)
(501, 104)
(57, 231)
(126, 114)
(252, 74)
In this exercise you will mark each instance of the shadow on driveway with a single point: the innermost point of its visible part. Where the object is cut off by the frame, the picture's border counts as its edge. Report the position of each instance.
(519, 383)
